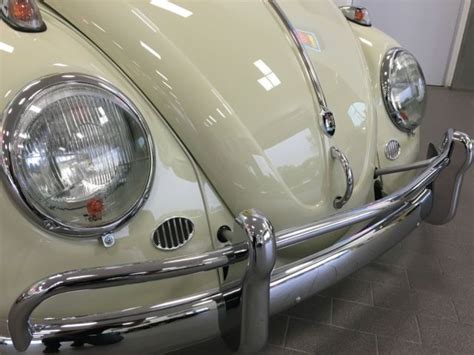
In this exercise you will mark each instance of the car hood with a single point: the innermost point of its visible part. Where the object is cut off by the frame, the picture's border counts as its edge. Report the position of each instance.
(229, 81)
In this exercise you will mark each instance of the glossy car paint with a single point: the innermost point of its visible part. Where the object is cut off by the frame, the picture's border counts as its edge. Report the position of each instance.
(226, 77)
(28, 253)
(252, 147)
(375, 45)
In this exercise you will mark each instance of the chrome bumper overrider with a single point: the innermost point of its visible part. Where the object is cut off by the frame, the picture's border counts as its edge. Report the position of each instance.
(262, 289)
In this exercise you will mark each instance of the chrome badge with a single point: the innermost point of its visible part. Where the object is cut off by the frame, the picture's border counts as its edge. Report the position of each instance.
(329, 123)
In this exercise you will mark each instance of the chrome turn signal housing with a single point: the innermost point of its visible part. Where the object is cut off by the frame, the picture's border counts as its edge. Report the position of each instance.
(22, 15)
(356, 14)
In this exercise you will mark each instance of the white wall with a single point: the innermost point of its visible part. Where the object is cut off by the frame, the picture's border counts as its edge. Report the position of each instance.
(427, 28)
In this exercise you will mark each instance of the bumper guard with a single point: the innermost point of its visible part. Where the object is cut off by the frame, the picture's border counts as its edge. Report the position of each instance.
(262, 290)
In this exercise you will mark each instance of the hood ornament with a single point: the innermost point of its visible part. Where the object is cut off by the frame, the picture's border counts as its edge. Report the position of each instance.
(328, 122)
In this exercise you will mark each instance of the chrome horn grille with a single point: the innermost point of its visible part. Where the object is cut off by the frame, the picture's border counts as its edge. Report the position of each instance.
(173, 233)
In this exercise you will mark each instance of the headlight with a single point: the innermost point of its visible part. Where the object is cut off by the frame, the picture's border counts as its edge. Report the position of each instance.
(403, 89)
(77, 154)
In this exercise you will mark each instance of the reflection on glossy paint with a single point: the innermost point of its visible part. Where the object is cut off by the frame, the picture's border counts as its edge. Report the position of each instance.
(263, 165)
(366, 41)
(6, 47)
(167, 85)
(150, 50)
(144, 18)
(171, 7)
(212, 119)
(161, 74)
(358, 113)
(117, 44)
(97, 26)
(293, 151)
(221, 99)
(270, 79)
(220, 113)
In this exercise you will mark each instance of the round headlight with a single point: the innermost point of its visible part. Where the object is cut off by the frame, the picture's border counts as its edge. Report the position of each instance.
(77, 154)
(403, 89)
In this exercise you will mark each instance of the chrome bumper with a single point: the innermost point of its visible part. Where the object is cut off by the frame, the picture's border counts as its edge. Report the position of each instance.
(261, 289)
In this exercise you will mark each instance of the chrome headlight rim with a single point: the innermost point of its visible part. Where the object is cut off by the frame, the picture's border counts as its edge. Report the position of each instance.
(9, 122)
(386, 68)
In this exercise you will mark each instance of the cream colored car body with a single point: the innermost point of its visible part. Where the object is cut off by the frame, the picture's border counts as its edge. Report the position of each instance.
(223, 141)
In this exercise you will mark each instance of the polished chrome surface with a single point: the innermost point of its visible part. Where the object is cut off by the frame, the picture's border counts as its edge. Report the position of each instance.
(374, 209)
(12, 114)
(391, 219)
(340, 201)
(173, 233)
(328, 123)
(166, 323)
(306, 277)
(109, 276)
(392, 149)
(394, 113)
(398, 169)
(162, 326)
(444, 209)
(256, 283)
(108, 240)
(359, 15)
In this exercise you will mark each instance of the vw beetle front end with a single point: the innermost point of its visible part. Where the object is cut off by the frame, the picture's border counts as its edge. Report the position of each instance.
(195, 167)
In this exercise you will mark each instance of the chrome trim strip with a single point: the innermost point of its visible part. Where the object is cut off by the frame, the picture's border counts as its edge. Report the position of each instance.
(328, 122)
(340, 201)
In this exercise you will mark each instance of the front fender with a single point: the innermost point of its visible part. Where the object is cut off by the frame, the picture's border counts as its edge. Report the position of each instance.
(375, 44)
(27, 252)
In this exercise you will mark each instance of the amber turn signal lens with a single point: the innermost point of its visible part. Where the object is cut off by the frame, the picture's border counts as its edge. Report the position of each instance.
(22, 10)
(23, 15)
(357, 15)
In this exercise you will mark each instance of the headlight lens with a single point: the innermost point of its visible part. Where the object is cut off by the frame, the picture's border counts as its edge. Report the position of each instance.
(78, 154)
(403, 89)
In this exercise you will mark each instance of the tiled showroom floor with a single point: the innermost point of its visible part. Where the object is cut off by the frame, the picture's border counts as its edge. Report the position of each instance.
(417, 298)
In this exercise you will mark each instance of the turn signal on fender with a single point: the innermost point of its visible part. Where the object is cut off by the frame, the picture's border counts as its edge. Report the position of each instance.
(358, 15)
(22, 15)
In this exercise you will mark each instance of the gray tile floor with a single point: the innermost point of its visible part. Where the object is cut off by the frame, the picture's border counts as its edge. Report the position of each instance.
(417, 298)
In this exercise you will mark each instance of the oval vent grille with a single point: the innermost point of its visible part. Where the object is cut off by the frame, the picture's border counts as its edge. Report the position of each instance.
(173, 233)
